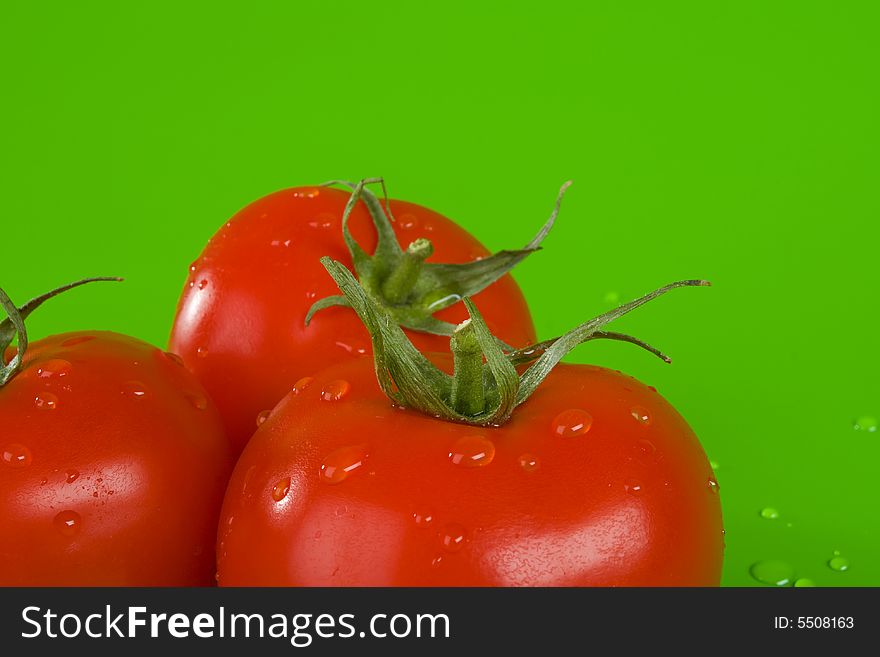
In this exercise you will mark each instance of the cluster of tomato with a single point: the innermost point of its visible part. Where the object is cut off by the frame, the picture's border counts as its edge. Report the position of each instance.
(265, 419)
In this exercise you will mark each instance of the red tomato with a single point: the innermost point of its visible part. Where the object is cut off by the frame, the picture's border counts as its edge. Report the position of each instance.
(595, 481)
(240, 324)
(113, 467)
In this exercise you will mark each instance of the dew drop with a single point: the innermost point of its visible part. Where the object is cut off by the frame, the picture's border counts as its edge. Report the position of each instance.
(571, 423)
(280, 489)
(351, 348)
(632, 486)
(199, 402)
(192, 267)
(203, 284)
(68, 523)
(423, 517)
(472, 451)
(55, 368)
(441, 300)
(335, 390)
(70, 342)
(646, 447)
(407, 221)
(772, 572)
(529, 462)
(712, 484)
(16, 455)
(323, 221)
(134, 389)
(72, 475)
(174, 358)
(838, 563)
(453, 537)
(802, 582)
(302, 384)
(437, 561)
(310, 192)
(202, 352)
(46, 401)
(769, 513)
(262, 416)
(640, 414)
(866, 423)
(340, 464)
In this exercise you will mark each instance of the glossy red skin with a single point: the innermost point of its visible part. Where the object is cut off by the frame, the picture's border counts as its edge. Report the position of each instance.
(145, 474)
(625, 504)
(240, 324)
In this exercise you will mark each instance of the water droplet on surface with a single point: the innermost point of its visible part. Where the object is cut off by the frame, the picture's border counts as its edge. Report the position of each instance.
(70, 342)
(351, 349)
(529, 462)
(302, 384)
(436, 561)
(423, 517)
(571, 423)
(134, 389)
(16, 455)
(838, 563)
(323, 221)
(46, 401)
(174, 358)
(632, 486)
(340, 464)
(646, 448)
(803, 582)
(192, 267)
(54, 368)
(472, 451)
(407, 221)
(202, 352)
(203, 284)
(306, 193)
(72, 475)
(453, 537)
(640, 414)
(442, 301)
(772, 572)
(68, 523)
(280, 489)
(335, 390)
(262, 416)
(199, 402)
(712, 484)
(866, 423)
(769, 513)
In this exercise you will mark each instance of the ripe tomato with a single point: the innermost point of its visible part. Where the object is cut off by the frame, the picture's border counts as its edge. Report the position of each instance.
(595, 481)
(240, 324)
(113, 467)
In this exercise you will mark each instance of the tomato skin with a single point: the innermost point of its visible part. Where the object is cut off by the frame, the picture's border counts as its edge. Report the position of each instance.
(627, 503)
(114, 464)
(240, 323)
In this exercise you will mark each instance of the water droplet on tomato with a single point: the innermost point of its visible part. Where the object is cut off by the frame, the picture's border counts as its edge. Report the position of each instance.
(436, 561)
(199, 402)
(407, 221)
(772, 572)
(46, 401)
(339, 464)
(70, 342)
(280, 489)
(16, 455)
(453, 537)
(262, 416)
(134, 389)
(769, 513)
(302, 384)
(712, 484)
(68, 523)
(351, 348)
(192, 266)
(866, 423)
(202, 352)
(632, 486)
(423, 517)
(72, 475)
(174, 358)
(802, 582)
(571, 423)
(324, 221)
(203, 284)
(54, 368)
(335, 390)
(437, 300)
(306, 193)
(529, 462)
(472, 451)
(838, 563)
(640, 414)
(646, 448)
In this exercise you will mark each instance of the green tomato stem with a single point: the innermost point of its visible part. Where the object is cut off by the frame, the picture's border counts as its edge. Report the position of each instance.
(398, 287)
(468, 392)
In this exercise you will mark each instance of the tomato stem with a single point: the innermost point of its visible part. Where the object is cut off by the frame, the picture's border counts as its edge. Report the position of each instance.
(14, 324)
(468, 394)
(399, 285)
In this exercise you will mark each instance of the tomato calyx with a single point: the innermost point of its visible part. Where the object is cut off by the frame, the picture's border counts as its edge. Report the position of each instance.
(408, 288)
(14, 324)
(485, 386)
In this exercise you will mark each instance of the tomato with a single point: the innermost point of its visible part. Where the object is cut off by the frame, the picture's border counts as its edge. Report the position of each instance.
(240, 324)
(595, 481)
(114, 463)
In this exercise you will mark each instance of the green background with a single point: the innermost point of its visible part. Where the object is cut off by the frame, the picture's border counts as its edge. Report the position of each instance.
(734, 141)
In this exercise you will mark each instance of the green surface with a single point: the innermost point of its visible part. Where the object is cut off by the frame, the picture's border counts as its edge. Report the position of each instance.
(731, 141)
